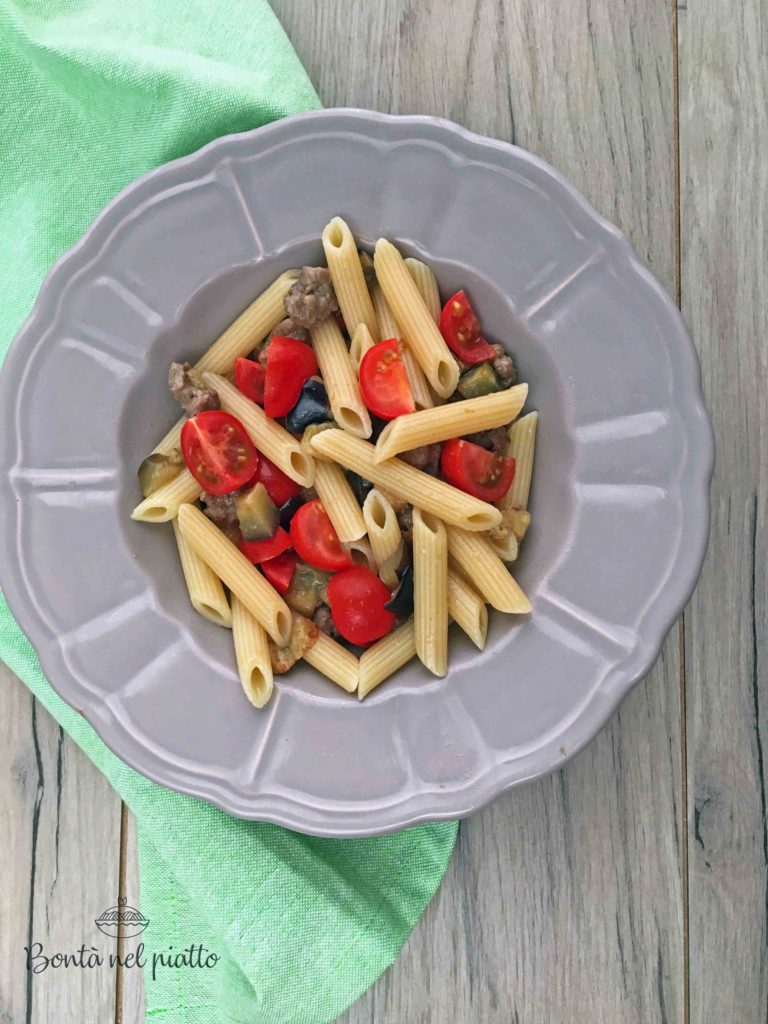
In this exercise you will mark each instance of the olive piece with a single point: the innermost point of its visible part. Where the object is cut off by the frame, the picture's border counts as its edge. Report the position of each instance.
(312, 407)
(360, 486)
(402, 599)
(288, 510)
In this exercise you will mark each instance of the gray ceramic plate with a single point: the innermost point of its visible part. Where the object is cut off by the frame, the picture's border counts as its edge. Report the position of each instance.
(620, 506)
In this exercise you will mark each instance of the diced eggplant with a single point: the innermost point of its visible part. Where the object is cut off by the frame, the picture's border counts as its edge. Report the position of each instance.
(256, 513)
(402, 599)
(480, 380)
(360, 486)
(288, 510)
(158, 469)
(316, 428)
(366, 265)
(308, 589)
(303, 635)
(312, 407)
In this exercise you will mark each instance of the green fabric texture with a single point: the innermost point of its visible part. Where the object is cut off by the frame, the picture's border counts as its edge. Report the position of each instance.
(92, 94)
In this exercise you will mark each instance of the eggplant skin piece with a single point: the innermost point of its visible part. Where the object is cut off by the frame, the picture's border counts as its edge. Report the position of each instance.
(402, 600)
(312, 407)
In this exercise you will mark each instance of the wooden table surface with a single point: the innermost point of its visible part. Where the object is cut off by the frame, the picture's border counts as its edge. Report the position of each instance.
(630, 887)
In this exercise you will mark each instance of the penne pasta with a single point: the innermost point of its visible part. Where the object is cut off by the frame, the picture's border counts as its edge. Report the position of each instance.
(457, 419)
(385, 657)
(522, 445)
(205, 589)
(384, 534)
(251, 327)
(388, 328)
(242, 335)
(348, 279)
(164, 503)
(334, 661)
(486, 571)
(362, 553)
(349, 409)
(254, 665)
(269, 437)
(419, 330)
(339, 501)
(467, 608)
(420, 489)
(424, 279)
(361, 343)
(430, 591)
(233, 568)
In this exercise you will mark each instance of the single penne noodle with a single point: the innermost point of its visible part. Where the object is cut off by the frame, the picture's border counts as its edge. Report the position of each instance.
(334, 661)
(420, 489)
(486, 571)
(339, 500)
(254, 665)
(456, 419)
(430, 591)
(386, 657)
(348, 278)
(233, 568)
(425, 280)
(172, 439)
(419, 330)
(269, 437)
(341, 383)
(239, 339)
(253, 324)
(422, 395)
(205, 589)
(467, 609)
(521, 448)
(361, 343)
(164, 503)
(384, 534)
(505, 545)
(362, 553)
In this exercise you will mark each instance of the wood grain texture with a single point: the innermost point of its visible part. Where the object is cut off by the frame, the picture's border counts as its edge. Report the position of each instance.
(724, 236)
(61, 832)
(564, 900)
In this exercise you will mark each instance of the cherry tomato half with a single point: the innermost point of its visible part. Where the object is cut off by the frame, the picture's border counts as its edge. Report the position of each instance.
(249, 378)
(218, 452)
(289, 364)
(475, 470)
(315, 539)
(461, 330)
(279, 487)
(258, 551)
(279, 571)
(384, 382)
(357, 598)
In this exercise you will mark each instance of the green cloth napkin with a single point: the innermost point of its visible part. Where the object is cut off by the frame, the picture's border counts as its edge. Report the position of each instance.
(92, 94)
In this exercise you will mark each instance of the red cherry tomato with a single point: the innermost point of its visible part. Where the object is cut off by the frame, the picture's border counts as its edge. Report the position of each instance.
(249, 378)
(279, 571)
(218, 452)
(461, 330)
(279, 487)
(289, 364)
(384, 382)
(258, 551)
(476, 471)
(357, 598)
(315, 539)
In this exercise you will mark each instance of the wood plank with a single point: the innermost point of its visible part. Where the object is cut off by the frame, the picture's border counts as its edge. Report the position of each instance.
(564, 900)
(60, 864)
(724, 232)
(131, 1002)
